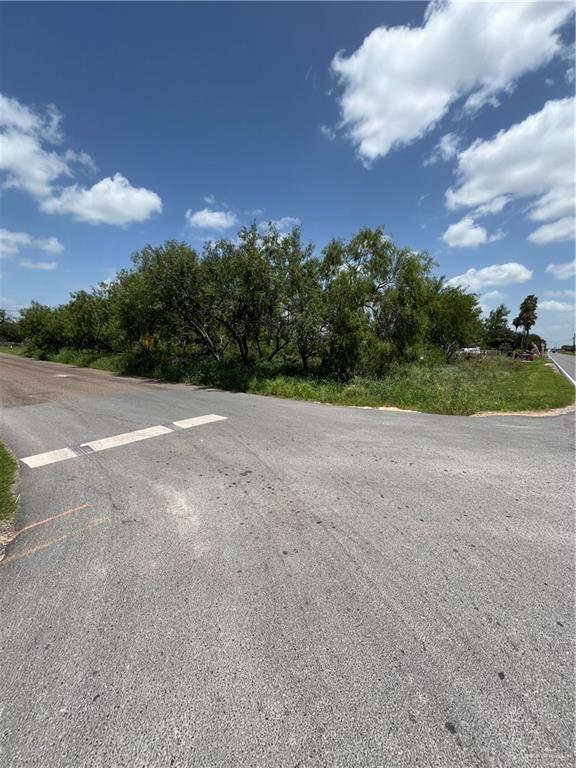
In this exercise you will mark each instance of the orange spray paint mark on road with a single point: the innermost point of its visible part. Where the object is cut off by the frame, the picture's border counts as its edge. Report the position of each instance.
(48, 520)
(51, 542)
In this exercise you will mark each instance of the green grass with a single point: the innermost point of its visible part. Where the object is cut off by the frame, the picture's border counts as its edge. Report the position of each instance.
(462, 388)
(12, 350)
(8, 501)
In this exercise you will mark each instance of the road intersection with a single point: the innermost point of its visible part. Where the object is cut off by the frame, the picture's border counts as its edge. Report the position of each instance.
(291, 584)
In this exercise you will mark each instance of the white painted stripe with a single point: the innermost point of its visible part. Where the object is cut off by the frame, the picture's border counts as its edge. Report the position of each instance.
(197, 420)
(557, 364)
(127, 437)
(41, 459)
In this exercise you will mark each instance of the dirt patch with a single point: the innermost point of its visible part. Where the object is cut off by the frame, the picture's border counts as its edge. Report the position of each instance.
(532, 414)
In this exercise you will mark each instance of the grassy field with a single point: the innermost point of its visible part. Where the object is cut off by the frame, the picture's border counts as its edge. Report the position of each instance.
(11, 350)
(8, 501)
(460, 389)
(463, 388)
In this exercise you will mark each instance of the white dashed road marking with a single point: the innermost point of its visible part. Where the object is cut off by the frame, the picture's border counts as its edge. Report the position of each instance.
(127, 437)
(197, 420)
(41, 459)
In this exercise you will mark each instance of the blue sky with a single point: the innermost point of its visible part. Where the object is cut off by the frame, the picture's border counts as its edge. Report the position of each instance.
(126, 124)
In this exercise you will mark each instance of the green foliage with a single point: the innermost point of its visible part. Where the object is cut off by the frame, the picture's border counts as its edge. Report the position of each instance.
(527, 316)
(10, 330)
(468, 387)
(454, 318)
(8, 469)
(43, 327)
(362, 307)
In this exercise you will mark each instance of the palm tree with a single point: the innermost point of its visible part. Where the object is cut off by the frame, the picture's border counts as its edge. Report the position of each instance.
(527, 315)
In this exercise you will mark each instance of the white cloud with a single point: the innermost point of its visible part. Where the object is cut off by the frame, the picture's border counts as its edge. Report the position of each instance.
(286, 223)
(493, 206)
(568, 292)
(17, 116)
(562, 271)
(28, 264)
(556, 306)
(497, 274)
(555, 204)
(30, 163)
(487, 301)
(28, 166)
(109, 201)
(402, 80)
(467, 234)
(24, 156)
(207, 219)
(327, 132)
(446, 149)
(492, 296)
(48, 244)
(531, 159)
(12, 242)
(210, 199)
(563, 229)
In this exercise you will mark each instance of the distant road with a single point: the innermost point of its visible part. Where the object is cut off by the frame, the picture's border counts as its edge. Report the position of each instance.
(206, 579)
(567, 363)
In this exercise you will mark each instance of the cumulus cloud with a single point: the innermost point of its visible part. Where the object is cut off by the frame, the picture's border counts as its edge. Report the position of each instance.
(556, 306)
(562, 271)
(210, 199)
(286, 223)
(467, 234)
(12, 242)
(110, 201)
(209, 219)
(446, 149)
(28, 264)
(492, 296)
(531, 159)
(283, 225)
(17, 116)
(568, 292)
(497, 274)
(403, 80)
(563, 229)
(33, 162)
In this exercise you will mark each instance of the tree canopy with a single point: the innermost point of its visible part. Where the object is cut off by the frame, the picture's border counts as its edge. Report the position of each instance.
(357, 307)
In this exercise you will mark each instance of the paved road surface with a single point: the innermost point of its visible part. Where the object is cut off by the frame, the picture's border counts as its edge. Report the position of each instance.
(567, 362)
(296, 585)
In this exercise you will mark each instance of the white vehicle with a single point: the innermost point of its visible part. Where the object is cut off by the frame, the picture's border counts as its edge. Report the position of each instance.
(471, 352)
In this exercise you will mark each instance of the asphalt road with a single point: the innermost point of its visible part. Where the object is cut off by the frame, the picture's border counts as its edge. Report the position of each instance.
(566, 362)
(296, 585)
